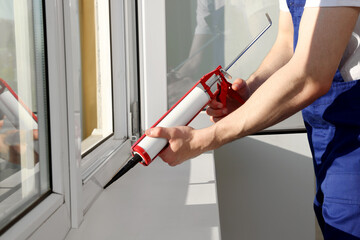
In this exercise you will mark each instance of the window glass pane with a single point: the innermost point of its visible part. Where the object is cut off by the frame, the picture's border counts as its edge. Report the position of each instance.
(24, 163)
(202, 34)
(97, 118)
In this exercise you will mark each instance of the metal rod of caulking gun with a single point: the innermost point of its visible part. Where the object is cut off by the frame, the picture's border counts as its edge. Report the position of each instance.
(136, 159)
(251, 43)
(224, 70)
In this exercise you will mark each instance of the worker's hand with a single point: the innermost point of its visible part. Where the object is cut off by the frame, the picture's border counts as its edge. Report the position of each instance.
(182, 143)
(216, 109)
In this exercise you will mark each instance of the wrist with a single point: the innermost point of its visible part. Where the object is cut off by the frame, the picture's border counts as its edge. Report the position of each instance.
(206, 139)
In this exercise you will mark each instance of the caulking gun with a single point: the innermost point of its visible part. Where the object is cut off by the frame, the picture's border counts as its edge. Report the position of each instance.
(212, 85)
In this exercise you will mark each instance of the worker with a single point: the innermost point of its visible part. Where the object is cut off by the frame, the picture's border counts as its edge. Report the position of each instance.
(313, 66)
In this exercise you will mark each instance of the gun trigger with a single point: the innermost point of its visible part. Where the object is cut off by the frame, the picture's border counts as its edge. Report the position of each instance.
(223, 91)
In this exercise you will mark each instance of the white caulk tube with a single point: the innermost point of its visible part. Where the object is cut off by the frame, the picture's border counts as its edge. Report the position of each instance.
(185, 110)
(180, 114)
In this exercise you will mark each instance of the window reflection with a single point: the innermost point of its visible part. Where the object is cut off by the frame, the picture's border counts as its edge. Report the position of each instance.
(202, 34)
(22, 72)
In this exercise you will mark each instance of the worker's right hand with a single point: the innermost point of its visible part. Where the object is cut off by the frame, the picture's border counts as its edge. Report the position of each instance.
(216, 109)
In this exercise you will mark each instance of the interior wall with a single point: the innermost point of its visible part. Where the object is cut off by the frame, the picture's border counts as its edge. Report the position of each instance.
(266, 188)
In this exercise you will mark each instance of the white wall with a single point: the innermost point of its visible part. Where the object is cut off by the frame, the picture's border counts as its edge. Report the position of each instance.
(266, 188)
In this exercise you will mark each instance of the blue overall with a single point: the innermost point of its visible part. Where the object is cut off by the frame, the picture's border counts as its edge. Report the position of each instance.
(333, 127)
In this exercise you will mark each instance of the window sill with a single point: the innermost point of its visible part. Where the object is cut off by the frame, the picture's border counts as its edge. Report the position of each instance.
(93, 161)
(163, 200)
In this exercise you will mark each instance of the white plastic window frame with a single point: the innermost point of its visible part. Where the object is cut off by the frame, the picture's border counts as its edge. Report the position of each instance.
(152, 47)
(72, 191)
(87, 180)
(152, 25)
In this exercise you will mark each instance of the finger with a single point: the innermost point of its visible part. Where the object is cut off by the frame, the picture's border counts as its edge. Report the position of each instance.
(36, 134)
(159, 132)
(238, 84)
(215, 104)
(241, 87)
(212, 119)
(167, 155)
(216, 112)
(216, 119)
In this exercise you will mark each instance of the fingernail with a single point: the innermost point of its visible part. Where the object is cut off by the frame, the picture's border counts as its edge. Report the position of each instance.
(224, 111)
(148, 132)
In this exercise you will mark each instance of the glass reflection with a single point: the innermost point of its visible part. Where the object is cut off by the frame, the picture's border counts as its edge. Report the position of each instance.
(24, 176)
(202, 34)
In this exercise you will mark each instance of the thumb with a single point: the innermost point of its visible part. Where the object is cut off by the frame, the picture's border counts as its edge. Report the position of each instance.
(158, 132)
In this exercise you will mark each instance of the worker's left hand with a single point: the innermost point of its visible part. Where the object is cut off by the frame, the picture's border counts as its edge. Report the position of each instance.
(182, 143)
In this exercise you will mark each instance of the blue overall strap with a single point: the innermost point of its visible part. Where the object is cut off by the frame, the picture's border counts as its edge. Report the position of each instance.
(296, 9)
(333, 128)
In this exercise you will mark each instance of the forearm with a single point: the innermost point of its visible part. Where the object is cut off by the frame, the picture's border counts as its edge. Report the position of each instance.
(278, 98)
(292, 82)
(278, 56)
(306, 77)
